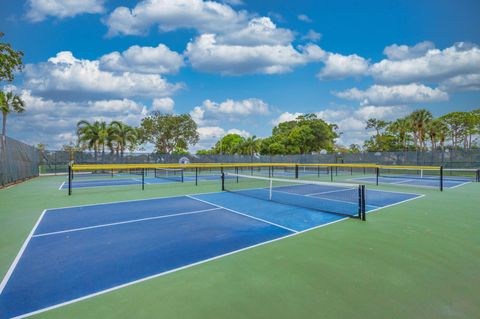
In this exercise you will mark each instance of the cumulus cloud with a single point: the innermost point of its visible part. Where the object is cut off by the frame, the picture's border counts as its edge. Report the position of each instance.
(394, 95)
(54, 122)
(286, 117)
(66, 77)
(304, 18)
(312, 35)
(205, 54)
(403, 52)
(158, 59)
(351, 122)
(433, 65)
(258, 31)
(211, 112)
(339, 66)
(469, 82)
(163, 105)
(204, 16)
(209, 135)
(39, 10)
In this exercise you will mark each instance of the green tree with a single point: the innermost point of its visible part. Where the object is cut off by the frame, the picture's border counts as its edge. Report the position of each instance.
(354, 148)
(123, 135)
(249, 146)
(229, 144)
(420, 120)
(377, 125)
(9, 103)
(401, 129)
(96, 136)
(306, 134)
(455, 122)
(169, 131)
(10, 61)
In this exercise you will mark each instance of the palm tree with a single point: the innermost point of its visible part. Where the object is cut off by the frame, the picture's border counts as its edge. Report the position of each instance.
(401, 127)
(9, 103)
(249, 146)
(96, 136)
(436, 131)
(123, 135)
(420, 119)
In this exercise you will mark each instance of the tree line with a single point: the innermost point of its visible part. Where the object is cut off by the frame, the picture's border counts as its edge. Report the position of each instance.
(419, 130)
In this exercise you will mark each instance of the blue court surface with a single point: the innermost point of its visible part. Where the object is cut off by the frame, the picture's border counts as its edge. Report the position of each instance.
(416, 181)
(126, 181)
(77, 252)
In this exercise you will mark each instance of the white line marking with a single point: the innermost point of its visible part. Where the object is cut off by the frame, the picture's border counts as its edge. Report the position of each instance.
(176, 269)
(401, 202)
(328, 192)
(236, 212)
(60, 188)
(451, 187)
(20, 253)
(125, 222)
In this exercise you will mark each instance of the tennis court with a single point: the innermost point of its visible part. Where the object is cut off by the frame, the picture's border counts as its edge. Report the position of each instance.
(79, 252)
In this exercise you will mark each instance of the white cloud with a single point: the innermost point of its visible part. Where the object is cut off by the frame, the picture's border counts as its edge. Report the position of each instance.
(469, 82)
(39, 10)
(404, 52)
(339, 66)
(242, 133)
(312, 35)
(204, 16)
(65, 76)
(286, 117)
(163, 105)
(258, 31)
(211, 112)
(158, 59)
(54, 122)
(433, 66)
(205, 54)
(394, 95)
(304, 18)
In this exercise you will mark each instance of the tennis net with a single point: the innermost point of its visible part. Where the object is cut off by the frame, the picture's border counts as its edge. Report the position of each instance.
(452, 174)
(173, 174)
(336, 198)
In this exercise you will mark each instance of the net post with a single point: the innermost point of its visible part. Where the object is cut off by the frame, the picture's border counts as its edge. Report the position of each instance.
(336, 170)
(223, 182)
(441, 178)
(318, 171)
(478, 175)
(70, 179)
(296, 171)
(111, 173)
(143, 179)
(377, 174)
(182, 174)
(331, 174)
(236, 172)
(362, 203)
(196, 176)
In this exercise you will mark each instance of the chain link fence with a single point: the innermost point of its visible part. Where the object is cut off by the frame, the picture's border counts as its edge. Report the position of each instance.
(18, 161)
(55, 162)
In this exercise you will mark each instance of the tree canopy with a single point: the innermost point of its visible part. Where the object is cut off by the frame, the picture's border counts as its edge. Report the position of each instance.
(168, 132)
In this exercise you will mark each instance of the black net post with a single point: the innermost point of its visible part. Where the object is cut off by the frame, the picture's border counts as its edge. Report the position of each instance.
(478, 175)
(196, 176)
(223, 182)
(331, 174)
(377, 174)
(70, 176)
(112, 173)
(143, 179)
(441, 178)
(296, 171)
(336, 171)
(318, 171)
(236, 172)
(362, 203)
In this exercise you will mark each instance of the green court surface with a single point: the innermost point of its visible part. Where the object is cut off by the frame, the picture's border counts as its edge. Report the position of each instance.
(419, 259)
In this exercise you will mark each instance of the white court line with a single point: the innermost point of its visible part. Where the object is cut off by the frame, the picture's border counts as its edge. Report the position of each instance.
(236, 212)
(125, 222)
(60, 188)
(5, 280)
(139, 180)
(450, 187)
(20, 253)
(401, 202)
(328, 192)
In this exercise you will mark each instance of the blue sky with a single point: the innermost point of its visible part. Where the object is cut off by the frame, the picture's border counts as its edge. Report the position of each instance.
(239, 66)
